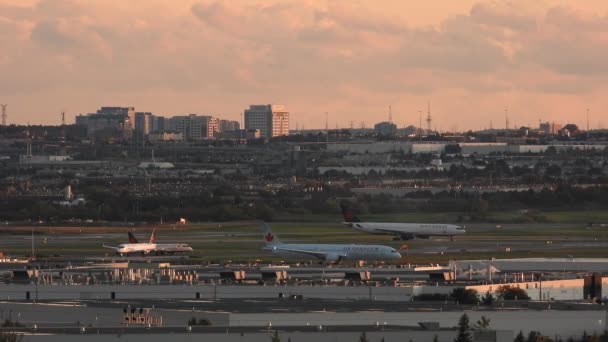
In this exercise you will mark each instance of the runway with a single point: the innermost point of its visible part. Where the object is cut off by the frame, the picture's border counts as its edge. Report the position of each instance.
(243, 242)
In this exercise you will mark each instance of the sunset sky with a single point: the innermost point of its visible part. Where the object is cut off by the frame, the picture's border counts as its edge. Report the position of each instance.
(540, 59)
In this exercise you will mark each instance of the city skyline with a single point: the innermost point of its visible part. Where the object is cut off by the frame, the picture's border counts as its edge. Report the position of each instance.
(541, 61)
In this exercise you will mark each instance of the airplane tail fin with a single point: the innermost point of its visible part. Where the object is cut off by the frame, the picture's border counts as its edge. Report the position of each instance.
(132, 238)
(269, 237)
(153, 236)
(347, 213)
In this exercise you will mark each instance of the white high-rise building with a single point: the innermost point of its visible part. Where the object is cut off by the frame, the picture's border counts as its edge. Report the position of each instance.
(271, 120)
(213, 127)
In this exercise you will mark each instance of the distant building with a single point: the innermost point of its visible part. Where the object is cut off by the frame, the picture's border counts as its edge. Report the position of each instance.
(165, 136)
(550, 128)
(233, 135)
(271, 120)
(121, 111)
(109, 123)
(157, 124)
(213, 128)
(570, 130)
(229, 126)
(192, 126)
(143, 122)
(253, 134)
(385, 128)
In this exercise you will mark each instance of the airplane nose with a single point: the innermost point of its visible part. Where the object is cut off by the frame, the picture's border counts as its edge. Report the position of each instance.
(398, 256)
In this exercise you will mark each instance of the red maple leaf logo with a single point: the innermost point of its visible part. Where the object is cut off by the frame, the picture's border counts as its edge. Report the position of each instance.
(269, 237)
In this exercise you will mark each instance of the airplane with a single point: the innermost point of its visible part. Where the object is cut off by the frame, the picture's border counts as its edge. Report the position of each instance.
(326, 252)
(151, 247)
(404, 231)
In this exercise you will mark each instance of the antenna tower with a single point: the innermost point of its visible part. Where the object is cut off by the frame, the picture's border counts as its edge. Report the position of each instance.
(62, 118)
(587, 119)
(506, 120)
(420, 125)
(390, 114)
(429, 120)
(4, 114)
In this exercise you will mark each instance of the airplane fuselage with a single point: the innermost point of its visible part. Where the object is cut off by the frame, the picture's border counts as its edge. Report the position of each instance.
(407, 230)
(152, 248)
(335, 252)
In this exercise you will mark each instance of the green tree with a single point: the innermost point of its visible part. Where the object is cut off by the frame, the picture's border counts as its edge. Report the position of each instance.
(487, 299)
(464, 334)
(275, 337)
(363, 337)
(520, 337)
(482, 323)
(465, 296)
(435, 338)
(534, 336)
(507, 292)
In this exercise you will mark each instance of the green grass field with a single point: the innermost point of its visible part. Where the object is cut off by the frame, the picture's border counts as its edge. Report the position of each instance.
(242, 241)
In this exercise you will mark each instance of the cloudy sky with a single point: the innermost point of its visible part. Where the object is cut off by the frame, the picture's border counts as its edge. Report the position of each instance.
(540, 59)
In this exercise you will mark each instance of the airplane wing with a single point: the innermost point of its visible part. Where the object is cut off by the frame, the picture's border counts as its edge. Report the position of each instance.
(110, 247)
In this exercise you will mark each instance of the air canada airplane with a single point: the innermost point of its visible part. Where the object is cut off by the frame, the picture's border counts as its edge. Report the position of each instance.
(330, 253)
(405, 231)
(151, 247)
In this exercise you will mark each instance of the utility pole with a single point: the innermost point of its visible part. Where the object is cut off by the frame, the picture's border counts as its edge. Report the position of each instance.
(420, 125)
(428, 119)
(326, 127)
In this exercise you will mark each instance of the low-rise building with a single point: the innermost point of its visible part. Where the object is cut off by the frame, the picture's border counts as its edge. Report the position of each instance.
(167, 136)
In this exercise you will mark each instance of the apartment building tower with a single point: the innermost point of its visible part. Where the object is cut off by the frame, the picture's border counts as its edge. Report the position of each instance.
(271, 120)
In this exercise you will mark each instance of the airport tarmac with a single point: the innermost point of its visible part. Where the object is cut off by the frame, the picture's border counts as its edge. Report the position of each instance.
(243, 242)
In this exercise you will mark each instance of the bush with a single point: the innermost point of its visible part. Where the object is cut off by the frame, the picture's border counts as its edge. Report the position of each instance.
(10, 336)
(487, 299)
(465, 296)
(507, 292)
(201, 321)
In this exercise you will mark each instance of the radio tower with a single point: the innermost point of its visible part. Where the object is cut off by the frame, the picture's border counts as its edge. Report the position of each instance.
(4, 114)
(506, 120)
(428, 119)
(390, 114)
(63, 125)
